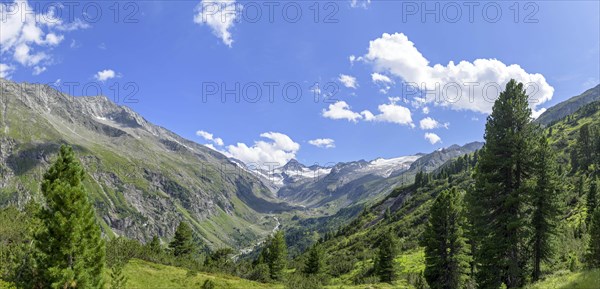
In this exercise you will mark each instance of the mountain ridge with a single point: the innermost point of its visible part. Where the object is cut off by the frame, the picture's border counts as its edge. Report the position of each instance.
(142, 178)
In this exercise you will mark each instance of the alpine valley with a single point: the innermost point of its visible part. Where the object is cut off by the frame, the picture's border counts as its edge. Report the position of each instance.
(143, 181)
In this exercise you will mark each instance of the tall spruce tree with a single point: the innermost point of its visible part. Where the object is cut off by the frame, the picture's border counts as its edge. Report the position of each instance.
(276, 256)
(592, 201)
(584, 147)
(315, 262)
(72, 252)
(593, 254)
(183, 241)
(501, 188)
(545, 202)
(154, 245)
(384, 263)
(446, 250)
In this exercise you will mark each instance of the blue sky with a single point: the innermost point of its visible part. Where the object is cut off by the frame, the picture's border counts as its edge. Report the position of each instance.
(175, 50)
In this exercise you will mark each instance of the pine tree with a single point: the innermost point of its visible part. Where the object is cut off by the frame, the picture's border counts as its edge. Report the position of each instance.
(276, 256)
(593, 254)
(504, 167)
(315, 262)
(154, 245)
(592, 201)
(71, 250)
(384, 264)
(579, 186)
(545, 203)
(446, 251)
(183, 241)
(584, 147)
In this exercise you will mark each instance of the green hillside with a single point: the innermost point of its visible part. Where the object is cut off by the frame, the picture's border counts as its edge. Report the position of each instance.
(355, 245)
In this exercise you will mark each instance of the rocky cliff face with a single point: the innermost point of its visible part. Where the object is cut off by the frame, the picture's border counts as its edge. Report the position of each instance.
(142, 178)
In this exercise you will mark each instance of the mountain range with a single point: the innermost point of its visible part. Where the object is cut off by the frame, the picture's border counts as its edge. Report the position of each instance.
(143, 179)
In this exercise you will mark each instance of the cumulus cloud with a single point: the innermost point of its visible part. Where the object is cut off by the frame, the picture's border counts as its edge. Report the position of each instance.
(463, 86)
(432, 138)
(430, 123)
(220, 16)
(391, 112)
(276, 150)
(105, 75)
(426, 110)
(380, 78)
(323, 143)
(348, 81)
(27, 37)
(341, 110)
(210, 137)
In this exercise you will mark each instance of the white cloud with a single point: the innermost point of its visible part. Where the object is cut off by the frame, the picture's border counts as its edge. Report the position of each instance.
(383, 81)
(322, 143)
(28, 36)
(5, 70)
(536, 113)
(352, 58)
(276, 152)
(390, 112)
(348, 81)
(360, 3)
(458, 86)
(432, 138)
(220, 16)
(341, 110)
(75, 25)
(37, 70)
(210, 137)
(380, 78)
(105, 75)
(218, 141)
(430, 123)
(426, 110)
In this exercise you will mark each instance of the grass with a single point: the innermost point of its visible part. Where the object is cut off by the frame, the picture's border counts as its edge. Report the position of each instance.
(146, 275)
(569, 280)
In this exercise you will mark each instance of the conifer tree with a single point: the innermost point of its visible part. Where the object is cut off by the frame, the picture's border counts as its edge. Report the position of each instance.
(446, 251)
(504, 167)
(154, 245)
(71, 250)
(592, 201)
(315, 263)
(384, 264)
(183, 241)
(545, 203)
(584, 147)
(276, 256)
(593, 254)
